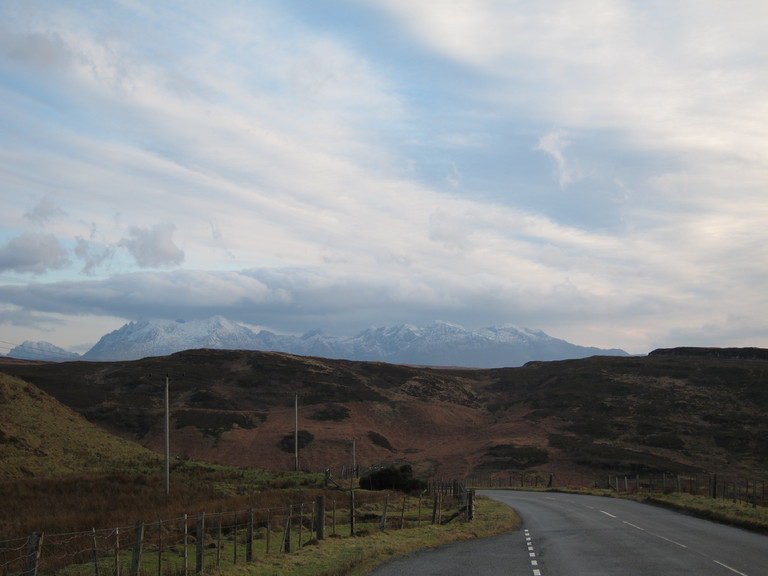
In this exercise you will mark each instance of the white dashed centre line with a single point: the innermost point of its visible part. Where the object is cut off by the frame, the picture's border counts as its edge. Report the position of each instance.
(655, 535)
(531, 553)
(729, 568)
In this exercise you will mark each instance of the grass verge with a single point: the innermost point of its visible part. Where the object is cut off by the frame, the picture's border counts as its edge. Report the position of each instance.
(720, 510)
(356, 556)
(723, 510)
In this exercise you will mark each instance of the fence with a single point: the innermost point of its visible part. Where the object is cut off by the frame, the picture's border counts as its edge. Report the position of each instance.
(748, 490)
(739, 489)
(194, 544)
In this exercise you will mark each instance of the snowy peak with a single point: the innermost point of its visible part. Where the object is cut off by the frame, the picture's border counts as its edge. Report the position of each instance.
(438, 344)
(161, 337)
(46, 351)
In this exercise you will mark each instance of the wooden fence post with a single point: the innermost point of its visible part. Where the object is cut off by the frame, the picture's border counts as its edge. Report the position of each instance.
(95, 552)
(436, 508)
(159, 548)
(34, 545)
(199, 542)
(320, 514)
(334, 517)
(269, 528)
(234, 542)
(301, 524)
(383, 525)
(137, 547)
(116, 570)
(287, 531)
(249, 537)
(218, 542)
(186, 542)
(402, 513)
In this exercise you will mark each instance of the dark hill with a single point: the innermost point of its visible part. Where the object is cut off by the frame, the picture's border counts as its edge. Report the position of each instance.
(572, 418)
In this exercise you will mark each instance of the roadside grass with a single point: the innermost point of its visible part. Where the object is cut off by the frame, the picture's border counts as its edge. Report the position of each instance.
(724, 510)
(349, 556)
(79, 501)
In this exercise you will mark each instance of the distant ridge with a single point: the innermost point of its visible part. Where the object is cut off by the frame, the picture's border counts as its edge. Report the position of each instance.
(29, 350)
(740, 353)
(438, 344)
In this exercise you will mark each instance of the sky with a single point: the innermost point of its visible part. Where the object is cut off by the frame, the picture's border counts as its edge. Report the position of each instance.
(597, 170)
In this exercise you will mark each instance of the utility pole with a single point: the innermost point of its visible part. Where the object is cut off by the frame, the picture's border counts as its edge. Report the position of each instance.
(296, 432)
(167, 439)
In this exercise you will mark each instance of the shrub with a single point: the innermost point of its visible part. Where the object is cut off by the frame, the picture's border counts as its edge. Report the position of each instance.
(393, 478)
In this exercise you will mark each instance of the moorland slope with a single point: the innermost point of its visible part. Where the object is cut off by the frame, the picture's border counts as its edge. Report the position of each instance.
(572, 418)
(40, 437)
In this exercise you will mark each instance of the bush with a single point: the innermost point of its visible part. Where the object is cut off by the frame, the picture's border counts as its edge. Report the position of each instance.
(393, 478)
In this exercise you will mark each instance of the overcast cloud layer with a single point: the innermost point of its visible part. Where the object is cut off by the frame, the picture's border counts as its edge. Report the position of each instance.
(597, 170)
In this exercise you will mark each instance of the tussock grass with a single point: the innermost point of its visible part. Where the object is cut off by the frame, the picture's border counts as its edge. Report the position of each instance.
(77, 502)
(723, 510)
(356, 556)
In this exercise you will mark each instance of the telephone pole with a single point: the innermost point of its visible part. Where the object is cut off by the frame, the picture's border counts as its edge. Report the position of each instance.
(167, 428)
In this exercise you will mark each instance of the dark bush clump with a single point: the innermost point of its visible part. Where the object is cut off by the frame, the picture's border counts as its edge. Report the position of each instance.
(393, 478)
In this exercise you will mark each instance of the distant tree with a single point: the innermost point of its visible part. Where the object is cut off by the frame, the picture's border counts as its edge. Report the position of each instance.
(393, 478)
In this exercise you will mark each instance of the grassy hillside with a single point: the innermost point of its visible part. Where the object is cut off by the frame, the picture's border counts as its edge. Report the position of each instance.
(575, 419)
(41, 437)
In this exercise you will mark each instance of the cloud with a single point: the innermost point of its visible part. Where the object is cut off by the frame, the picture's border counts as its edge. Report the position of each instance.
(44, 211)
(153, 247)
(33, 253)
(92, 253)
(554, 144)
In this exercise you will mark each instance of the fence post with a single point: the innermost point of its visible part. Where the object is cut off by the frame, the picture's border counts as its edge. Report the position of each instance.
(320, 504)
(402, 513)
(137, 545)
(301, 524)
(436, 509)
(249, 537)
(287, 531)
(34, 545)
(186, 542)
(269, 528)
(218, 542)
(470, 505)
(117, 552)
(352, 513)
(234, 542)
(159, 548)
(383, 513)
(199, 542)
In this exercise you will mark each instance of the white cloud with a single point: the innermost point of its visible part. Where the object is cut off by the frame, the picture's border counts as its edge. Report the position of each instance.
(279, 146)
(32, 253)
(44, 211)
(153, 247)
(554, 144)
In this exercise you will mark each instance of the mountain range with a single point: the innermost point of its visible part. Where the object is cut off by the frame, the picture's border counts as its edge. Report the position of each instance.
(438, 344)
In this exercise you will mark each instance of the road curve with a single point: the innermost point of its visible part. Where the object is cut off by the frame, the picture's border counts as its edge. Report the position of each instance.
(574, 535)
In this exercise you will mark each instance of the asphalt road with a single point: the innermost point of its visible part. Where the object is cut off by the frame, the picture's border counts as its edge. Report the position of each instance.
(571, 535)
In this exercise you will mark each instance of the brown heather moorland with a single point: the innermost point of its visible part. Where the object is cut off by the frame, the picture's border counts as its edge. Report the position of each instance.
(676, 411)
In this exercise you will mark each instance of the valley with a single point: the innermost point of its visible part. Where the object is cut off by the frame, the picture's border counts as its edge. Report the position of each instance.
(574, 419)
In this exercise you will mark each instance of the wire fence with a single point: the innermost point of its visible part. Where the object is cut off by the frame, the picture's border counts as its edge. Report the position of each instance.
(752, 491)
(193, 544)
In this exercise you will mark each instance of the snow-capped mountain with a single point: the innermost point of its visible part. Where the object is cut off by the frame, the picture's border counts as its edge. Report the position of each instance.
(439, 344)
(29, 350)
(161, 337)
